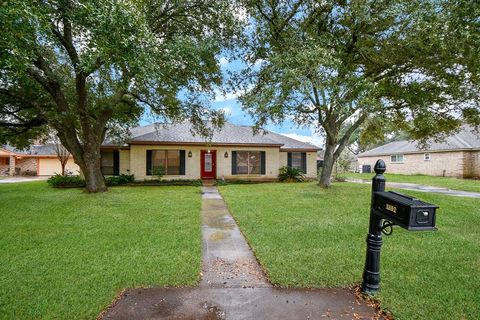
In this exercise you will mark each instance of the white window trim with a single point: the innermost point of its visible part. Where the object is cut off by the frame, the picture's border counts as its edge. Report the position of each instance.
(397, 155)
(425, 155)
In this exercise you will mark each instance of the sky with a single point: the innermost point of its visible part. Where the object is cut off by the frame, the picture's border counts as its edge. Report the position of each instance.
(235, 114)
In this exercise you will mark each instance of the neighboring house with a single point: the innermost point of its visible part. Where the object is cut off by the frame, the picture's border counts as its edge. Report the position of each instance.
(39, 160)
(233, 152)
(457, 156)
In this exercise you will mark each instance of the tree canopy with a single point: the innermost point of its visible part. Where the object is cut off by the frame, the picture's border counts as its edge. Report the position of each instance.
(341, 66)
(86, 67)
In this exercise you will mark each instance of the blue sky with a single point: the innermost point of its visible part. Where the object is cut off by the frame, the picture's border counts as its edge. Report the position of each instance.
(236, 115)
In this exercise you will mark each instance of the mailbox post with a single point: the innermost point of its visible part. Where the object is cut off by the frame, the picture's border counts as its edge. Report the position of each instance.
(371, 272)
(386, 210)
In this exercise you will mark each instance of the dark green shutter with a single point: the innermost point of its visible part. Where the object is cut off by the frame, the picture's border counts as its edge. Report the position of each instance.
(234, 162)
(262, 162)
(116, 163)
(149, 163)
(182, 162)
(304, 162)
(289, 159)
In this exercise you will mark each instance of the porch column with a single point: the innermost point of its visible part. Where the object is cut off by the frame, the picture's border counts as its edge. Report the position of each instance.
(11, 168)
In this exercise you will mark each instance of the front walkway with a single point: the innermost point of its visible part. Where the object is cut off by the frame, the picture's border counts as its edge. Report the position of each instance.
(233, 285)
(423, 188)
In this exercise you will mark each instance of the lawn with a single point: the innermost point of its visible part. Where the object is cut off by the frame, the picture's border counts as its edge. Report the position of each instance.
(308, 237)
(66, 255)
(443, 182)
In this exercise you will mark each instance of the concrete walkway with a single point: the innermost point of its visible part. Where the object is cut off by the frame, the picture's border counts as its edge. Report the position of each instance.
(424, 188)
(21, 179)
(233, 284)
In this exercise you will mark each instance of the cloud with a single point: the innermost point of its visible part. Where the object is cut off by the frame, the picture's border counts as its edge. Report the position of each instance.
(223, 61)
(226, 97)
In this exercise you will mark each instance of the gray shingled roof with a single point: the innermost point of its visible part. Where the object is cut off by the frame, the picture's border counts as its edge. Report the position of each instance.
(228, 134)
(289, 143)
(465, 139)
(41, 150)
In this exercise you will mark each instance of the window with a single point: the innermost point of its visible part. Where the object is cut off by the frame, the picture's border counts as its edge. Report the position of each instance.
(4, 161)
(426, 157)
(398, 158)
(166, 161)
(107, 162)
(297, 160)
(248, 162)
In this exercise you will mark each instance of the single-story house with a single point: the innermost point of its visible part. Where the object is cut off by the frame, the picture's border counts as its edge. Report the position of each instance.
(39, 160)
(457, 156)
(233, 152)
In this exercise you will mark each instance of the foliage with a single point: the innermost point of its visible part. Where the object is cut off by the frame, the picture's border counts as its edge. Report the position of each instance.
(119, 180)
(339, 66)
(90, 69)
(79, 250)
(68, 181)
(326, 231)
(159, 172)
(289, 174)
(177, 182)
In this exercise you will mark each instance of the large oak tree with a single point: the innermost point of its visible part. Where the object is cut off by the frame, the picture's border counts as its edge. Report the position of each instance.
(344, 65)
(88, 67)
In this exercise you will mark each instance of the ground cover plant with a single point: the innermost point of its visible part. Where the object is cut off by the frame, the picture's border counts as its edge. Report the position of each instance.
(305, 236)
(443, 182)
(65, 254)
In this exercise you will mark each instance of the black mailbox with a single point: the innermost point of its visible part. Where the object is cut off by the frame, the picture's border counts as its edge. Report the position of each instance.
(404, 211)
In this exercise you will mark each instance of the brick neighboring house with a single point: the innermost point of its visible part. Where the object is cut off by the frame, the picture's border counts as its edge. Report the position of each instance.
(457, 156)
(39, 160)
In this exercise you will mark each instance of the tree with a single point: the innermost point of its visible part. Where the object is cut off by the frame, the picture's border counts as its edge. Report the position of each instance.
(344, 65)
(86, 67)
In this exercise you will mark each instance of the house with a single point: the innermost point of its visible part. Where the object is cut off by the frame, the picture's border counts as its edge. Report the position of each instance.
(457, 156)
(233, 152)
(39, 160)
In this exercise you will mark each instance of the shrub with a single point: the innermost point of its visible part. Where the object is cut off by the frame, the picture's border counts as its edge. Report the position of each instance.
(29, 173)
(59, 181)
(119, 180)
(289, 174)
(159, 172)
(178, 182)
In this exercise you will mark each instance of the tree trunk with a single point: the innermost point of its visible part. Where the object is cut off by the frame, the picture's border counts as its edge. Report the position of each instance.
(92, 171)
(63, 168)
(328, 162)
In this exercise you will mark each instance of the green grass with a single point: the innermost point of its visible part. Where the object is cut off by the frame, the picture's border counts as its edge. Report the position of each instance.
(444, 182)
(65, 254)
(308, 237)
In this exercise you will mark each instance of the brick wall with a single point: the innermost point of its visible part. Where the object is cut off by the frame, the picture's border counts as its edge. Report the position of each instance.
(441, 163)
(26, 164)
(471, 164)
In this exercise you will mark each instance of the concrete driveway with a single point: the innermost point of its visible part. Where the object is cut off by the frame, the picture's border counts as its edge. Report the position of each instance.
(21, 179)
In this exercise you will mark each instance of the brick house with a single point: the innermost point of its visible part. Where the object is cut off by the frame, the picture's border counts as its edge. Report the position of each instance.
(38, 160)
(457, 156)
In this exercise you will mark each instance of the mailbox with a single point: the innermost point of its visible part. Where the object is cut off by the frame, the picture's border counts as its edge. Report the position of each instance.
(404, 211)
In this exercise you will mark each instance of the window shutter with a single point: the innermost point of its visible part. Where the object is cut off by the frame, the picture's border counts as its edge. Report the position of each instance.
(182, 162)
(304, 162)
(149, 163)
(116, 162)
(234, 162)
(289, 159)
(262, 162)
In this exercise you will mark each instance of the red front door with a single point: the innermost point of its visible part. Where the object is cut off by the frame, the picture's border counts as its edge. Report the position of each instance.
(208, 161)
